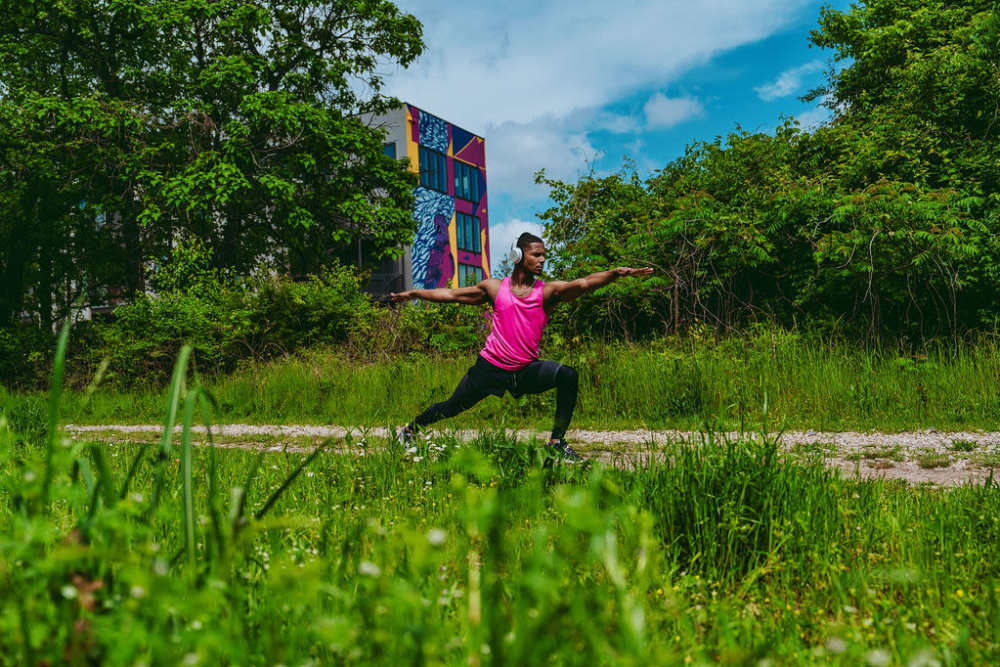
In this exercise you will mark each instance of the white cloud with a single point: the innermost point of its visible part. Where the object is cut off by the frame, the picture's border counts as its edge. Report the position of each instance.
(788, 82)
(812, 119)
(493, 63)
(662, 111)
(503, 236)
(616, 123)
(515, 151)
(535, 78)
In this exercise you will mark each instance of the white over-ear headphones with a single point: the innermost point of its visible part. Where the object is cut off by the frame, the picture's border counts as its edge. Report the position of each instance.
(516, 253)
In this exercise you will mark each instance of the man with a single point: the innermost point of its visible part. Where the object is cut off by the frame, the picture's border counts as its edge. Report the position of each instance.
(509, 361)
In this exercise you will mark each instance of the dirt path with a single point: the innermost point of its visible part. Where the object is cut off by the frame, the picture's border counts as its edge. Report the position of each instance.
(929, 456)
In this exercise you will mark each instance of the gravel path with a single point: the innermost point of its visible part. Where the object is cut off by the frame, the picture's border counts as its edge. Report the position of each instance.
(930, 456)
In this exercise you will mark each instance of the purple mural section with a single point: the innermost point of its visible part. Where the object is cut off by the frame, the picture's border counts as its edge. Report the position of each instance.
(433, 257)
(440, 265)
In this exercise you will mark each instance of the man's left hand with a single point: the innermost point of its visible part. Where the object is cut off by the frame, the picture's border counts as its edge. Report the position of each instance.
(623, 271)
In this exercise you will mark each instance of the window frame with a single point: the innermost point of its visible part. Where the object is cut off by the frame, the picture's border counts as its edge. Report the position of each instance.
(439, 182)
(467, 168)
(461, 232)
(477, 271)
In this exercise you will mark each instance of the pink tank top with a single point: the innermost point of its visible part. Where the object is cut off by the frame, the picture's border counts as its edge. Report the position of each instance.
(517, 328)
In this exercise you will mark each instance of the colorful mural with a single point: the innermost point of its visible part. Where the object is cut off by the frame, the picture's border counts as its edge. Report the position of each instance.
(434, 252)
(435, 211)
(433, 133)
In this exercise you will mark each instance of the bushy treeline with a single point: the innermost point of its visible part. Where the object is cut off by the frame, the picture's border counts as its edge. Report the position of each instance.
(881, 223)
(129, 125)
(231, 320)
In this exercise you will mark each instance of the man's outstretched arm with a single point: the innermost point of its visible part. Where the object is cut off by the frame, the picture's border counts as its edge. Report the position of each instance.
(473, 296)
(558, 291)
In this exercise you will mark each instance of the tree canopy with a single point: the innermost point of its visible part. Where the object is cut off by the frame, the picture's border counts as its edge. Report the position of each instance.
(882, 221)
(130, 124)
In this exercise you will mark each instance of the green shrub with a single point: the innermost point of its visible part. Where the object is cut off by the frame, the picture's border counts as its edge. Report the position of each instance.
(226, 322)
(25, 353)
(324, 309)
(439, 328)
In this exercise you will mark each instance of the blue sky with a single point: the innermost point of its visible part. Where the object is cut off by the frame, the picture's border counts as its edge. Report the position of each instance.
(574, 86)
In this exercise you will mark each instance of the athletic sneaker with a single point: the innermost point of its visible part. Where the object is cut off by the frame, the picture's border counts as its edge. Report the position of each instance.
(565, 452)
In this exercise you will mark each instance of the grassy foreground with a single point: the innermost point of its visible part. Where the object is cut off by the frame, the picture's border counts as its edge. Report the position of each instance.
(687, 383)
(366, 553)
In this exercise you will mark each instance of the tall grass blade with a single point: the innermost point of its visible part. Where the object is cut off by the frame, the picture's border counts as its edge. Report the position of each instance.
(94, 383)
(132, 470)
(239, 496)
(55, 396)
(207, 401)
(187, 486)
(105, 478)
(173, 398)
(291, 478)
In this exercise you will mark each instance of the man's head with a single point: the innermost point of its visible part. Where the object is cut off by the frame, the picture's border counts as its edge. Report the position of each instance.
(532, 253)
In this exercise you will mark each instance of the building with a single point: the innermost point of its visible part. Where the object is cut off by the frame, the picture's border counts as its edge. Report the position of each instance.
(452, 244)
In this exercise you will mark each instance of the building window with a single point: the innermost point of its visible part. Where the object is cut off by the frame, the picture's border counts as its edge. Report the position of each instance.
(469, 275)
(466, 181)
(433, 170)
(390, 149)
(468, 233)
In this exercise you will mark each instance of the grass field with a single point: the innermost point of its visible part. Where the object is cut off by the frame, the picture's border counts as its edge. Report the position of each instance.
(478, 553)
(687, 384)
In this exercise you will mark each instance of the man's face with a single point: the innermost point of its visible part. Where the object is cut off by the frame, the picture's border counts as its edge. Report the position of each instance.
(534, 258)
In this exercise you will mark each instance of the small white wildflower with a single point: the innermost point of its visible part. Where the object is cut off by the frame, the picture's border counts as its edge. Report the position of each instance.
(196, 624)
(411, 450)
(369, 569)
(310, 474)
(191, 659)
(29, 476)
(137, 592)
(436, 536)
(137, 497)
(418, 459)
(878, 657)
(836, 645)
(924, 658)
(70, 592)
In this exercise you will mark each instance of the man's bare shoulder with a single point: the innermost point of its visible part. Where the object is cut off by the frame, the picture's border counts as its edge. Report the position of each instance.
(491, 286)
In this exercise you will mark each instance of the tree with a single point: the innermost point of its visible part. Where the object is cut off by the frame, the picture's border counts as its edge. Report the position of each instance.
(235, 122)
(884, 221)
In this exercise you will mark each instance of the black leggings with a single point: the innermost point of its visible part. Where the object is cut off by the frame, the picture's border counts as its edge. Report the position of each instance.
(484, 379)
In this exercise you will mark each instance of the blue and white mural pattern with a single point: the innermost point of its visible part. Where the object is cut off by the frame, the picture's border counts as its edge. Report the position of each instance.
(433, 210)
(433, 133)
